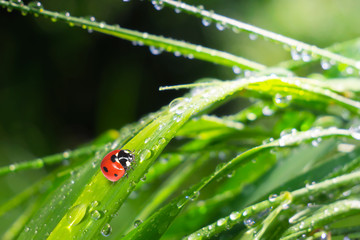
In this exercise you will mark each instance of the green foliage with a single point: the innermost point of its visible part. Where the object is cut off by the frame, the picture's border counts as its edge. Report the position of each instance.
(285, 166)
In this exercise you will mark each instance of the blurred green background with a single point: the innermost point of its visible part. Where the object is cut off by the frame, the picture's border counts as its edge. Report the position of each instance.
(62, 86)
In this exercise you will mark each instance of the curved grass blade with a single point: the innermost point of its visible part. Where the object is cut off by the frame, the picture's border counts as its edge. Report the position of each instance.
(237, 217)
(158, 223)
(157, 43)
(302, 89)
(298, 47)
(323, 216)
(89, 191)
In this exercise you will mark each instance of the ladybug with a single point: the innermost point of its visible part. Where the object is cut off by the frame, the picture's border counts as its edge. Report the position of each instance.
(116, 163)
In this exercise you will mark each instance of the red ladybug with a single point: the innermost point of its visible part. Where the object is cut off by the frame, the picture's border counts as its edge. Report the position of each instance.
(115, 164)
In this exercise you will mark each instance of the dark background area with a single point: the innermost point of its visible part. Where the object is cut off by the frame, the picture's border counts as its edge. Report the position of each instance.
(61, 87)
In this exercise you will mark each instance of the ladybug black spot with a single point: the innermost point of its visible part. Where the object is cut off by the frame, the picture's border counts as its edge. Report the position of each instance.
(115, 175)
(113, 157)
(105, 169)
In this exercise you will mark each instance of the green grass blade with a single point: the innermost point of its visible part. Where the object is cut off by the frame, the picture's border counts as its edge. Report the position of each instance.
(299, 47)
(157, 43)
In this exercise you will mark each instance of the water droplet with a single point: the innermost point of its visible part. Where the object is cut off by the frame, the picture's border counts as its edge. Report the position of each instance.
(194, 196)
(325, 64)
(305, 56)
(349, 70)
(273, 197)
(27, 229)
(95, 204)
(36, 5)
(206, 22)
(221, 222)
(106, 230)
(268, 140)
(76, 214)
(267, 111)
(236, 70)
(12, 167)
(158, 4)
(355, 131)
(282, 101)
(177, 54)
(295, 55)
(95, 215)
(147, 140)
(177, 10)
(251, 116)
(178, 105)
(137, 223)
(162, 141)
(234, 216)
(155, 51)
(220, 26)
(316, 142)
(253, 36)
(66, 154)
(249, 222)
(144, 155)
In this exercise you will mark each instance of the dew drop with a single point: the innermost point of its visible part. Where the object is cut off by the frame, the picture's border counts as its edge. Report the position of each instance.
(295, 55)
(253, 36)
(27, 229)
(95, 204)
(12, 167)
(162, 141)
(272, 197)
(177, 54)
(137, 223)
(220, 26)
(249, 222)
(144, 155)
(355, 131)
(325, 64)
(206, 22)
(155, 51)
(236, 70)
(158, 4)
(147, 140)
(267, 111)
(282, 101)
(76, 214)
(221, 222)
(178, 105)
(234, 216)
(66, 154)
(305, 56)
(36, 5)
(106, 230)
(96, 215)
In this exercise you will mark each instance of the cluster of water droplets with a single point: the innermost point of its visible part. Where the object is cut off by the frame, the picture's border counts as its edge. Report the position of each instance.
(158, 4)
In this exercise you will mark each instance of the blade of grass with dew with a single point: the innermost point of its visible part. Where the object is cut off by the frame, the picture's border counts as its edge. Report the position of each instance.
(89, 186)
(66, 191)
(326, 170)
(298, 48)
(347, 49)
(298, 88)
(325, 215)
(194, 216)
(295, 164)
(158, 223)
(236, 217)
(156, 43)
